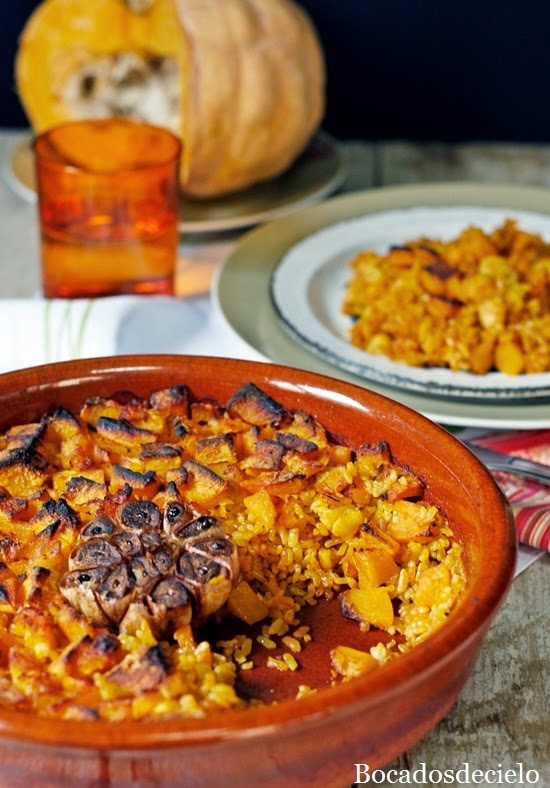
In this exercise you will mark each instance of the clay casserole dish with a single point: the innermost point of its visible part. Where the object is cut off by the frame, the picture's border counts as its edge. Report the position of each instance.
(318, 739)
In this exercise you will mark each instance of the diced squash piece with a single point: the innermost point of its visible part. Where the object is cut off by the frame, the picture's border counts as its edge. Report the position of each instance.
(160, 457)
(277, 483)
(267, 455)
(407, 485)
(122, 432)
(342, 521)
(71, 623)
(215, 449)
(374, 567)
(173, 400)
(261, 509)
(369, 606)
(96, 407)
(244, 603)
(351, 662)
(297, 444)
(347, 523)
(14, 509)
(62, 425)
(305, 464)
(146, 483)
(340, 454)
(509, 357)
(87, 656)
(203, 485)
(377, 539)
(336, 478)
(206, 411)
(255, 406)
(304, 425)
(78, 488)
(371, 457)
(139, 671)
(22, 472)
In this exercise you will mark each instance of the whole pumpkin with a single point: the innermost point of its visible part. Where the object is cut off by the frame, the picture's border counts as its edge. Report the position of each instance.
(240, 81)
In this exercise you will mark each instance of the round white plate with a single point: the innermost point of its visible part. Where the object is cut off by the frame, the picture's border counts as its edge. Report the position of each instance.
(317, 172)
(242, 292)
(309, 283)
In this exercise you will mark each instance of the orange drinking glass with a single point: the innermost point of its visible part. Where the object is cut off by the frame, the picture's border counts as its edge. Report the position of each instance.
(108, 208)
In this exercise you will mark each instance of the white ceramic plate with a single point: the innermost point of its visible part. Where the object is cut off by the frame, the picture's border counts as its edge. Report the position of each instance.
(309, 282)
(317, 172)
(242, 292)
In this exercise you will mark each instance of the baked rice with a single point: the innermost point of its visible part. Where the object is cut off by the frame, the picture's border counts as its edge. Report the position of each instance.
(311, 520)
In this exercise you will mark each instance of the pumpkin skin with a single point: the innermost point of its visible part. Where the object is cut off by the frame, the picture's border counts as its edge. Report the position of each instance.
(251, 77)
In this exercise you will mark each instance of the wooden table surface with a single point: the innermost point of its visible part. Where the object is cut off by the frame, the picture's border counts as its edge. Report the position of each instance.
(501, 720)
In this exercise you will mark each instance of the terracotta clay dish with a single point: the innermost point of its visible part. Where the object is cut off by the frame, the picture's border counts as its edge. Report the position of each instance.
(316, 739)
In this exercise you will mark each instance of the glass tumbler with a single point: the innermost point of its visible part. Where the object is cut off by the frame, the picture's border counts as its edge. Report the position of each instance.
(108, 194)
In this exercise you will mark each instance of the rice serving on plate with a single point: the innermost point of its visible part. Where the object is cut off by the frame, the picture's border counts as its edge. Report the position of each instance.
(477, 302)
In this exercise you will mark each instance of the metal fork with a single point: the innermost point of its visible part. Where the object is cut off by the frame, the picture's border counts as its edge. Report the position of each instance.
(498, 461)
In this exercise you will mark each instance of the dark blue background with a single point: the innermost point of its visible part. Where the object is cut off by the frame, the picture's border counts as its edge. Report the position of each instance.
(405, 69)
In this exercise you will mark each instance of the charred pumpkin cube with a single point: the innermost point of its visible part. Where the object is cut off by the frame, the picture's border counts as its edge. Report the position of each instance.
(88, 655)
(22, 471)
(173, 400)
(267, 455)
(122, 433)
(256, 407)
(96, 407)
(147, 482)
(25, 435)
(81, 490)
(203, 484)
(370, 457)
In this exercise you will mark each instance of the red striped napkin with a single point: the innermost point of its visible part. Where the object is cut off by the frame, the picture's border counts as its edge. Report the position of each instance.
(530, 501)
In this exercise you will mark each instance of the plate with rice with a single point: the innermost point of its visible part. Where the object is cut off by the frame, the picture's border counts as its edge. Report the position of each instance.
(447, 301)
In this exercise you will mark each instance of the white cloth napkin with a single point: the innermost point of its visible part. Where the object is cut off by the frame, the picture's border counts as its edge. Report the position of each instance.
(38, 331)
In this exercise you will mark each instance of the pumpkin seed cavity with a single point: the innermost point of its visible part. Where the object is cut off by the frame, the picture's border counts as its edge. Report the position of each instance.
(142, 87)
